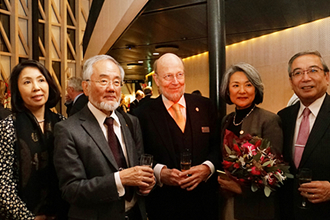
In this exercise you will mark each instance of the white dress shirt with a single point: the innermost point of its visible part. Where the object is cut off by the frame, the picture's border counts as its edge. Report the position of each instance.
(314, 108)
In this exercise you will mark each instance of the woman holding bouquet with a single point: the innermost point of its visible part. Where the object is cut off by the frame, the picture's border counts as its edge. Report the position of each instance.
(29, 185)
(243, 87)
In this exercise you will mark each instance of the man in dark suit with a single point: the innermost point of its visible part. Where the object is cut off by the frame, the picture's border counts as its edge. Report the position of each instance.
(172, 124)
(133, 105)
(309, 78)
(147, 95)
(75, 93)
(96, 155)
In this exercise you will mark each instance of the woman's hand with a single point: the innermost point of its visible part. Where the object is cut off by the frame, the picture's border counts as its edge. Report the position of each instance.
(230, 185)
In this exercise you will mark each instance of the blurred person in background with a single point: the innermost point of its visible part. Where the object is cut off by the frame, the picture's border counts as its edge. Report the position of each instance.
(76, 94)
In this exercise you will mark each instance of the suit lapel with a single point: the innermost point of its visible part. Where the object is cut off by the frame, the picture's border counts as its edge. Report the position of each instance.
(92, 128)
(291, 125)
(130, 149)
(320, 126)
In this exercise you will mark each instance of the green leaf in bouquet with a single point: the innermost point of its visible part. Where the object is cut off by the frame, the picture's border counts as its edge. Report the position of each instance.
(278, 177)
(264, 144)
(254, 187)
(257, 156)
(270, 169)
(284, 168)
(267, 191)
(266, 163)
(228, 150)
(289, 175)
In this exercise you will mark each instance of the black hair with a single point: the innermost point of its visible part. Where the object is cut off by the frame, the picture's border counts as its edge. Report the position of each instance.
(17, 103)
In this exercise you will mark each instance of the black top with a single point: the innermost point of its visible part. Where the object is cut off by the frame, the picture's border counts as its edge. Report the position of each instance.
(240, 115)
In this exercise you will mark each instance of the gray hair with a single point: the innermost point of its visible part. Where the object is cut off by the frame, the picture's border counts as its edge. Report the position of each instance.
(308, 52)
(75, 83)
(88, 66)
(253, 76)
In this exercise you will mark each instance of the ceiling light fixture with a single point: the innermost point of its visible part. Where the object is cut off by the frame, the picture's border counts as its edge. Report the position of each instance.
(134, 64)
(166, 48)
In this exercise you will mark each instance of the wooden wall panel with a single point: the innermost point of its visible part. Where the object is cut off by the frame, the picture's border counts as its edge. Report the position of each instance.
(269, 54)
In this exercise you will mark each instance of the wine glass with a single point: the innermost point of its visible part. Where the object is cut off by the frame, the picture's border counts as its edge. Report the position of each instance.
(304, 176)
(146, 160)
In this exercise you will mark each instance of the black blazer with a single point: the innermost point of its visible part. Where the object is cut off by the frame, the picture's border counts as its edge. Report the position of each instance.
(85, 166)
(315, 156)
(165, 201)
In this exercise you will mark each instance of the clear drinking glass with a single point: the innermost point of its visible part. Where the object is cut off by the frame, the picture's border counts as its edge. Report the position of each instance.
(185, 160)
(146, 160)
(304, 176)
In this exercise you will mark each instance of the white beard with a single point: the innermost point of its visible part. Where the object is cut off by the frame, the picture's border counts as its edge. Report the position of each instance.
(105, 106)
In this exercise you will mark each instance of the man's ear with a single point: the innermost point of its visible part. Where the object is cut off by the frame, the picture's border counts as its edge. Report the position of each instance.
(155, 76)
(85, 87)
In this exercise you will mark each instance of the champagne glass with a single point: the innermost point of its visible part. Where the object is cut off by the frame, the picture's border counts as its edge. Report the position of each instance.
(185, 160)
(304, 176)
(146, 160)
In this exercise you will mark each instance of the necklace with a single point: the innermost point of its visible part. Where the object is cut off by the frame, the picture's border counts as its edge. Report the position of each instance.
(41, 121)
(243, 118)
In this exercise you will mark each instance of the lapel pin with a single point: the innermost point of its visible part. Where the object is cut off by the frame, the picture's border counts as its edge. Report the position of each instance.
(197, 109)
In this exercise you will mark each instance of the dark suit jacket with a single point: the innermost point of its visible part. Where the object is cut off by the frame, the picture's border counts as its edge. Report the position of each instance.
(79, 104)
(315, 156)
(85, 166)
(168, 202)
(255, 205)
(133, 105)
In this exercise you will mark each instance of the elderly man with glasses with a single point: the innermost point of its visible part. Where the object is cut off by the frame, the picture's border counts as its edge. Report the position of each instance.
(96, 154)
(306, 132)
(177, 123)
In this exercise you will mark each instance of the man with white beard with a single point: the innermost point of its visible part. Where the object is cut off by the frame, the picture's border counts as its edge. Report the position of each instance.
(96, 154)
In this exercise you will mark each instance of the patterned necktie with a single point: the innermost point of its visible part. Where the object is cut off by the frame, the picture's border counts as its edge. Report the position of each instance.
(178, 117)
(302, 137)
(118, 154)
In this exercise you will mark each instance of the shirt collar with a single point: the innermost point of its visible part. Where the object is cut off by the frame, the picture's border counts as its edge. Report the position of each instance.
(314, 107)
(100, 116)
(168, 104)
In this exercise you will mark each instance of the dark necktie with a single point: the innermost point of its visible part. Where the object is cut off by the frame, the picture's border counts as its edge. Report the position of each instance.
(115, 145)
(118, 154)
(302, 137)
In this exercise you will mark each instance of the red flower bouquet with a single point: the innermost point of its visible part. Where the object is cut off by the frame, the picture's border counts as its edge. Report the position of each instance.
(249, 160)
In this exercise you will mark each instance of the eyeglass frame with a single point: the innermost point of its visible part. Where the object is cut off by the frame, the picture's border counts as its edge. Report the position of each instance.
(170, 78)
(308, 70)
(106, 84)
